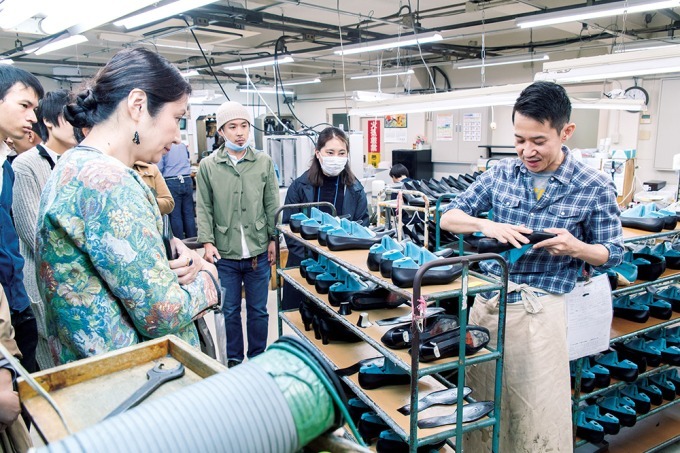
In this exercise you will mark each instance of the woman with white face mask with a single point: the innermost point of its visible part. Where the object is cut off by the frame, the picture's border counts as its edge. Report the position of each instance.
(330, 179)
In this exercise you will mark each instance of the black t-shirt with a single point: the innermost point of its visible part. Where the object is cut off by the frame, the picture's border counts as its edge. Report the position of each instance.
(332, 191)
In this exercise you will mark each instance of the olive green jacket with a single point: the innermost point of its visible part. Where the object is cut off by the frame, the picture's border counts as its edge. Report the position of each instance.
(230, 196)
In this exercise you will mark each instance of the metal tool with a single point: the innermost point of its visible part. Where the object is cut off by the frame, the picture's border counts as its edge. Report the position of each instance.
(407, 318)
(156, 376)
(442, 397)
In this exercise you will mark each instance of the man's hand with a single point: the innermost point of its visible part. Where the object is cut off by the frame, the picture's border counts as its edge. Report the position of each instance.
(564, 244)
(271, 253)
(211, 253)
(504, 233)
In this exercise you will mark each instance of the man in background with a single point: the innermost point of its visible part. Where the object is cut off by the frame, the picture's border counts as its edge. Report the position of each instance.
(175, 167)
(19, 95)
(32, 169)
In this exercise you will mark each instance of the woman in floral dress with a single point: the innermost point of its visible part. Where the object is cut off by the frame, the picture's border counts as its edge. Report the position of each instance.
(103, 271)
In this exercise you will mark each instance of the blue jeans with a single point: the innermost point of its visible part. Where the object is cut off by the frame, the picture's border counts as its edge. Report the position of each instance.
(255, 279)
(182, 218)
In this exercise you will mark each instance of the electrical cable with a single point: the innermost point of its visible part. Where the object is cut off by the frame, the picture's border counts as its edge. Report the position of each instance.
(420, 51)
(206, 58)
(342, 59)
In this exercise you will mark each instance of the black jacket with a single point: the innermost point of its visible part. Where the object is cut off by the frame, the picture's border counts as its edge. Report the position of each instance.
(302, 191)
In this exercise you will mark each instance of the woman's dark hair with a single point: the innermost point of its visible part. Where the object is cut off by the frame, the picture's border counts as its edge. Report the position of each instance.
(50, 108)
(315, 173)
(128, 69)
(544, 101)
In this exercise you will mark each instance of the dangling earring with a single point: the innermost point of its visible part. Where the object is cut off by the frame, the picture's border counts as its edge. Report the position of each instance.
(135, 138)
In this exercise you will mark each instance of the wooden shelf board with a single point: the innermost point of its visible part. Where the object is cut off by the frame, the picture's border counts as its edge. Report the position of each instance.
(633, 233)
(621, 327)
(647, 433)
(389, 398)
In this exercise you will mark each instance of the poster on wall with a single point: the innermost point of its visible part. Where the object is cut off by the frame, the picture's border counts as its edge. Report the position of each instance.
(396, 121)
(472, 127)
(395, 128)
(444, 127)
(395, 135)
(373, 137)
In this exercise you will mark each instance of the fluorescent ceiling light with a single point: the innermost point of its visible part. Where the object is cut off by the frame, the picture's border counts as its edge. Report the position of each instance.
(451, 100)
(370, 75)
(14, 12)
(292, 82)
(190, 73)
(258, 63)
(608, 104)
(80, 16)
(264, 90)
(402, 41)
(645, 44)
(161, 12)
(186, 46)
(594, 12)
(365, 96)
(6, 61)
(499, 61)
(60, 44)
(612, 66)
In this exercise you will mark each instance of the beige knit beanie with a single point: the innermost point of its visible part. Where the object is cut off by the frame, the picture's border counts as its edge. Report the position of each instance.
(232, 110)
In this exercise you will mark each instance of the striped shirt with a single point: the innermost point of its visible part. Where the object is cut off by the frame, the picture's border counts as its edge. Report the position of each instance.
(577, 198)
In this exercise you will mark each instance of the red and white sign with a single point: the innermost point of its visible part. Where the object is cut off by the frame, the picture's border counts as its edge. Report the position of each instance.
(374, 136)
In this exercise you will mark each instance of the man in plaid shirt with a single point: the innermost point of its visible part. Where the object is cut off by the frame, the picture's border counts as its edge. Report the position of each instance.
(544, 189)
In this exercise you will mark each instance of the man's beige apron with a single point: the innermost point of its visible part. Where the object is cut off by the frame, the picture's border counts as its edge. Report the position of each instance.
(536, 394)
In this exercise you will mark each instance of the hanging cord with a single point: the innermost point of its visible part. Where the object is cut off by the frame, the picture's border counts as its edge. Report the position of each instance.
(342, 59)
(420, 52)
(250, 82)
(34, 385)
(324, 380)
(198, 43)
(483, 68)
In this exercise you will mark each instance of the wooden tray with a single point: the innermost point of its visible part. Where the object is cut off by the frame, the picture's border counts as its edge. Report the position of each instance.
(89, 389)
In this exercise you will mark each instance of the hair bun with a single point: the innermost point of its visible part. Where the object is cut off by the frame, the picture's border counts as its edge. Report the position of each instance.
(81, 113)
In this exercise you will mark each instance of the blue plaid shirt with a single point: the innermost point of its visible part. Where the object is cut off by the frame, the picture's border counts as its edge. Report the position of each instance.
(577, 198)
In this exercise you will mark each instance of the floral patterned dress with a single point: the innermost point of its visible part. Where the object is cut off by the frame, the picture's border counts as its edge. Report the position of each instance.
(101, 264)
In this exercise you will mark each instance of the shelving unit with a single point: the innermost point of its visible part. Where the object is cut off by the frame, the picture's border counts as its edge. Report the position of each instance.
(425, 377)
(644, 433)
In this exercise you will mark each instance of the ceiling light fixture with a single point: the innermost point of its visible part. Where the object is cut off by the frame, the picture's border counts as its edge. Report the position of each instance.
(401, 41)
(6, 61)
(264, 90)
(612, 66)
(15, 12)
(190, 73)
(60, 44)
(366, 96)
(594, 12)
(247, 64)
(645, 44)
(451, 100)
(499, 61)
(371, 75)
(608, 104)
(161, 12)
(293, 82)
(81, 19)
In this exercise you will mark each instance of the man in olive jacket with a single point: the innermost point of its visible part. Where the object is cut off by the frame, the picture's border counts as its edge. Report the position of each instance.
(238, 194)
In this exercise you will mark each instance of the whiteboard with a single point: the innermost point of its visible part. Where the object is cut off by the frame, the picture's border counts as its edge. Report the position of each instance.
(667, 143)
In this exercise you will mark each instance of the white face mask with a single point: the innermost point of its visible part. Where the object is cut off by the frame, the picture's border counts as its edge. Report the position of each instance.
(333, 165)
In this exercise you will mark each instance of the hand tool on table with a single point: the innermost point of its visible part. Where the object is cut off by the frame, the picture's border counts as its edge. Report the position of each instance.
(156, 376)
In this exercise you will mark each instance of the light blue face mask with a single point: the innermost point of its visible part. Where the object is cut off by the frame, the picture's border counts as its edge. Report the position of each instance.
(234, 147)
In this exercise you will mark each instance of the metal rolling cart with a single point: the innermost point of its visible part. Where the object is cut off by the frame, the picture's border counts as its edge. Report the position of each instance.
(623, 330)
(425, 377)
